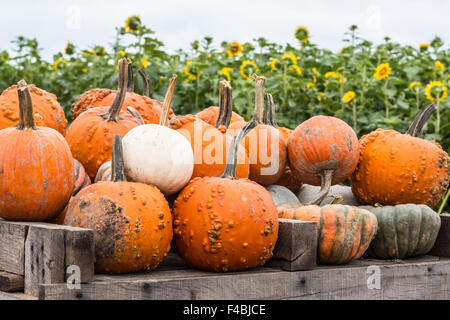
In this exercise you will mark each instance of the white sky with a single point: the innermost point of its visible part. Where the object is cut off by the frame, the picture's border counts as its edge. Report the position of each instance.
(177, 23)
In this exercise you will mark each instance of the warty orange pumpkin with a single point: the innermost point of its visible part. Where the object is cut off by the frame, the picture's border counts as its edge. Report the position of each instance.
(131, 221)
(36, 167)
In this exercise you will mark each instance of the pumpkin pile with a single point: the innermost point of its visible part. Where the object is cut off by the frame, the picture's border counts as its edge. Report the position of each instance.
(211, 183)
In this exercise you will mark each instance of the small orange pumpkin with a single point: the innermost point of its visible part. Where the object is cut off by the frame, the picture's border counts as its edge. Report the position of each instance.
(397, 168)
(81, 178)
(265, 146)
(90, 135)
(224, 223)
(131, 221)
(37, 175)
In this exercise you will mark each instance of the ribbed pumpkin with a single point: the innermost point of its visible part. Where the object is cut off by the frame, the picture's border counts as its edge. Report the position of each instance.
(131, 221)
(264, 144)
(288, 179)
(323, 151)
(47, 110)
(210, 143)
(345, 232)
(36, 167)
(90, 136)
(104, 172)
(149, 109)
(158, 155)
(81, 178)
(397, 168)
(224, 223)
(404, 230)
(342, 194)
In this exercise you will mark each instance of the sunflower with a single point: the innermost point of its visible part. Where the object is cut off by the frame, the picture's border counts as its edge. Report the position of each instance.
(302, 34)
(436, 91)
(189, 72)
(293, 58)
(348, 96)
(84, 70)
(272, 63)
(4, 56)
(334, 75)
(321, 95)
(144, 62)
(70, 48)
(314, 70)
(424, 46)
(234, 49)
(252, 66)
(122, 53)
(60, 64)
(309, 85)
(382, 71)
(412, 85)
(439, 66)
(132, 24)
(226, 72)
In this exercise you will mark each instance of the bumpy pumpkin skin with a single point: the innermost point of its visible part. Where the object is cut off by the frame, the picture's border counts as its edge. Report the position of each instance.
(320, 143)
(131, 221)
(404, 230)
(397, 168)
(345, 232)
(221, 224)
(37, 175)
(149, 109)
(81, 178)
(210, 114)
(47, 110)
(205, 140)
(90, 137)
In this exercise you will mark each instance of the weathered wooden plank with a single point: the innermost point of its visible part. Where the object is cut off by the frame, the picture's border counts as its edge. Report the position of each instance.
(79, 246)
(15, 296)
(296, 247)
(409, 280)
(44, 257)
(12, 247)
(442, 245)
(11, 282)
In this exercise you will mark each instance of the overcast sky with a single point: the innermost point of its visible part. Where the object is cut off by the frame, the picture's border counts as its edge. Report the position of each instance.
(177, 23)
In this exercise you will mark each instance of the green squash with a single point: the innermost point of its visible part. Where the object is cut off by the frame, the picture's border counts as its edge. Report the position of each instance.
(283, 196)
(404, 230)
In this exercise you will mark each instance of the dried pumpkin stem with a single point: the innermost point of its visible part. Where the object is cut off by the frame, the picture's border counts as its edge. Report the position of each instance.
(130, 82)
(136, 115)
(117, 167)
(230, 168)
(258, 114)
(225, 104)
(417, 125)
(269, 112)
(326, 177)
(167, 102)
(113, 112)
(146, 81)
(26, 114)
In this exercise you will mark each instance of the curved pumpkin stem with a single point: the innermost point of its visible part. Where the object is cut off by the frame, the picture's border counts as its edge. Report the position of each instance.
(113, 112)
(136, 115)
(117, 167)
(326, 177)
(417, 125)
(130, 82)
(146, 81)
(258, 114)
(230, 168)
(269, 112)
(225, 104)
(167, 102)
(26, 114)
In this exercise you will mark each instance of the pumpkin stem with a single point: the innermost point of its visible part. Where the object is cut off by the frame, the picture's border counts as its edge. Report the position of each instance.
(336, 199)
(146, 81)
(416, 126)
(117, 167)
(136, 115)
(326, 177)
(113, 112)
(259, 99)
(26, 114)
(167, 101)
(230, 168)
(225, 104)
(269, 113)
(130, 82)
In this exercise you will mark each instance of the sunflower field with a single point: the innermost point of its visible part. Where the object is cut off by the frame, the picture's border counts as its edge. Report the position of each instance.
(368, 86)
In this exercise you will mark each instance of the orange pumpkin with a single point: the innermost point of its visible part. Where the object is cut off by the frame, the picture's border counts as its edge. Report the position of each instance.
(131, 221)
(148, 108)
(345, 232)
(323, 151)
(210, 144)
(265, 146)
(397, 168)
(90, 135)
(81, 178)
(36, 167)
(224, 223)
(47, 110)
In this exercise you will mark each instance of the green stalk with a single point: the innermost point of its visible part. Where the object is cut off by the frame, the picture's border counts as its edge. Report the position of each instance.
(386, 102)
(438, 116)
(354, 117)
(285, 89)
(444, 201)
